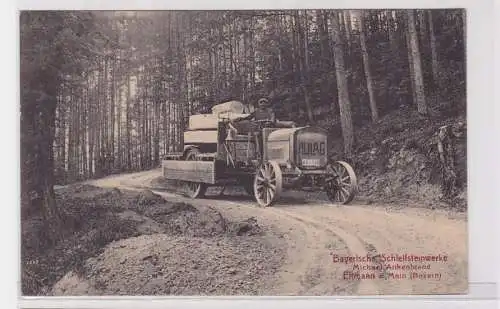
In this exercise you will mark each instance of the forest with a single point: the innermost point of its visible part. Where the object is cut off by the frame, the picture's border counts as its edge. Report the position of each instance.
(110, 92)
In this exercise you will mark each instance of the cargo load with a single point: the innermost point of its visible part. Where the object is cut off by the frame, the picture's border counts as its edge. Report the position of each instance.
(235, 107)
(225, 111)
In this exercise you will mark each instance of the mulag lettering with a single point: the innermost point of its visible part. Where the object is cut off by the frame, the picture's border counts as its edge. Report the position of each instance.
(312, 148)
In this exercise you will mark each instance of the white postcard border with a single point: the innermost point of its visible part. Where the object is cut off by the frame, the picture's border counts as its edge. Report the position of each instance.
(482, 163)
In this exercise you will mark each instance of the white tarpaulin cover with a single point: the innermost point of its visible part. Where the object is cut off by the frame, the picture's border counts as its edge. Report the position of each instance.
(235, 107)
(228, 110)
(210, 121)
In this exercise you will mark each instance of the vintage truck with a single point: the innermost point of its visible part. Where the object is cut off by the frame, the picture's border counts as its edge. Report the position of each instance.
(216, 154)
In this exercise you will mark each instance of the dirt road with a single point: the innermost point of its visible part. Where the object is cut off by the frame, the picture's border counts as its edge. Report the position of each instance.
(320, 237)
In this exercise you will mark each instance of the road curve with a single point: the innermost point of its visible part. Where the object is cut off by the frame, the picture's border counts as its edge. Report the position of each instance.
(316, 231)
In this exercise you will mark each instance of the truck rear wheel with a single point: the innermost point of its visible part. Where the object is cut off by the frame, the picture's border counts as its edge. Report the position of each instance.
(194, 189)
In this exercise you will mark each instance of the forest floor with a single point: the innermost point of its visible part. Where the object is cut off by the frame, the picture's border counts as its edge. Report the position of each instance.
(120, 238)
(120, 242)
(397, 161)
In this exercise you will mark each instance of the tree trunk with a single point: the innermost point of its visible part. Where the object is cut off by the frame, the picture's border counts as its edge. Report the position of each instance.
(84, 132)
(464, 28)
(157, 133)
(119, 126)
(340, 18)
(304, 64)
(92, 121)
(415, 60)
(105, 118)
(181, 100)
(78, 134)
(305, 37)
(295, 66)
(128, 124)
(38, 110)
(325, 46)
(47, 120)
(320, 22)
(280, 50)
(71, 129)
(113, 115)
(366, 64)
(422, 27)
(343, 94)
(464, 33)
(392, 33)
(171, 123)
(434, 56)
(62, 136)
(347, 19)
(411, 70)
(252, 54)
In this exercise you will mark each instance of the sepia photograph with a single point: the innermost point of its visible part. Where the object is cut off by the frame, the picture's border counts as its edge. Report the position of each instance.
(318, 152)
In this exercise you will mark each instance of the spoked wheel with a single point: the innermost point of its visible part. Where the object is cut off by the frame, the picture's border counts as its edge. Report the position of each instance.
(194, 189)
(268, 183)
(341, 184)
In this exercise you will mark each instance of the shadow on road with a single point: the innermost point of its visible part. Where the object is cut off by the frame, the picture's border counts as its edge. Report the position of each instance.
(283, 201)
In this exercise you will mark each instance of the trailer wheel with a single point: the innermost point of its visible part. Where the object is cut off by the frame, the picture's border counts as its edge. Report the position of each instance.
(194, 189)
(248, 188)
(341, 184)
(268, 183)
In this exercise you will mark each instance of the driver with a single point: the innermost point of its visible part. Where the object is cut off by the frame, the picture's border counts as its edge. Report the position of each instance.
(263, 112)
(248, 125)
